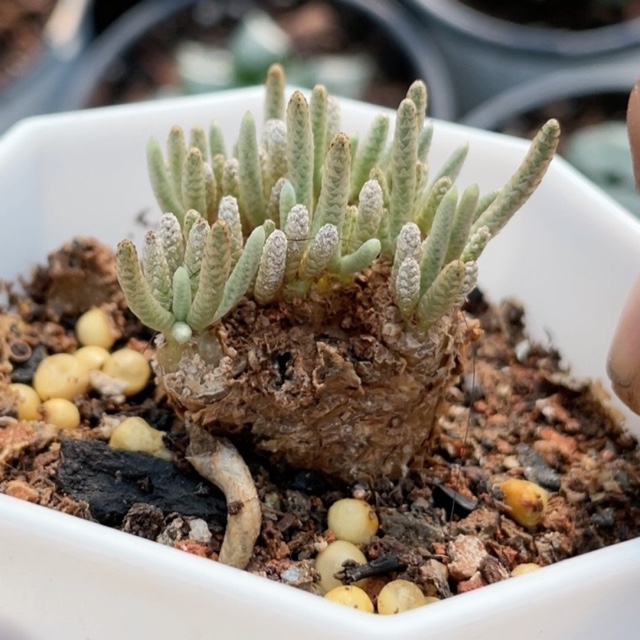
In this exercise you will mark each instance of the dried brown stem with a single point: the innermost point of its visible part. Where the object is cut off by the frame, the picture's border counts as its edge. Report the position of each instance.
(217, 460)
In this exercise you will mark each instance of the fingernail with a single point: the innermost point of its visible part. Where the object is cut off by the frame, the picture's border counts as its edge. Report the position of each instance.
(623, 363)
(633, 127)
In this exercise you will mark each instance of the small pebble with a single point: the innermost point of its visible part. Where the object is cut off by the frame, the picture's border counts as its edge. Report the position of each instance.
(95, 328)
(330, 561)
(466, 554)
(526, 500)
(521, 569)
(475, 582)
(199, 531)
(350, 596)
(60, 413)
(352, 520)
(522, 350)
(61, 376)
(398, 596)
(92, 356)
(27, 401)
(129, 366)
(136, 434)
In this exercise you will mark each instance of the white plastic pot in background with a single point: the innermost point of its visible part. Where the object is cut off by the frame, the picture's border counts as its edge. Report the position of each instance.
(573, 84)
(423, 57)
(487, 56)
(65, 36)
(570, 256)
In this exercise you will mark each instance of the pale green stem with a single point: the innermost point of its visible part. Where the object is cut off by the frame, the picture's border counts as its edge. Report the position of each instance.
(403, 167)
(408, 245)
(347, 243)
(243, 273)
(156, 269)
(251, 202)
(369, 213)
(160, 181)
(193, 183)
(451, 168)
(231, 178)
(442, 295)
(300, 149)
(273, 204)
(170, 232)
(137, 291)
(436, 245)
(462, 221)
(287, 202)
(424, 141)
(274, 140)
(274, 102)
(361, 258)
(214, 271)
(216, 141)
(417, 93)
(524, 181)
(272, 268)
(334, 194)
(484, 202)
(198, 139)
(369, 152)
(478, 240)
(210, 193)
(297, 231)
(194, 250)
(176, 152)
(181, 294)
(426, 210)
(318, 113)
(406, 286)
(319, 252)
(230, 213)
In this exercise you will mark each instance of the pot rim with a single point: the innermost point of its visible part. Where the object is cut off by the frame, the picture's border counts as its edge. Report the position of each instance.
(495, 32)
(558, 85)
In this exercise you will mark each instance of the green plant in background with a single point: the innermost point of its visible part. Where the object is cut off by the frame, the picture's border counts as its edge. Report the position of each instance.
(308, 288)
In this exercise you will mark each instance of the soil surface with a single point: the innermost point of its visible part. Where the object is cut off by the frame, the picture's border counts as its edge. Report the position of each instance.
(514, 414)
(315, 28)
(21, 27)
(574, 15)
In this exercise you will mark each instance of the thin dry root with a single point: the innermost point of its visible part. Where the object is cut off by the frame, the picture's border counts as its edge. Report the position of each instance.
(217, 460)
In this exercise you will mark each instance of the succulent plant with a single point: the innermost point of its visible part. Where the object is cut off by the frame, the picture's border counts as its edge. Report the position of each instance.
(308, 287)
(313, 205)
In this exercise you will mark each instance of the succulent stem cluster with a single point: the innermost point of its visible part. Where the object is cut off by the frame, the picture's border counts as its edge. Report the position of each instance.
(308, 202)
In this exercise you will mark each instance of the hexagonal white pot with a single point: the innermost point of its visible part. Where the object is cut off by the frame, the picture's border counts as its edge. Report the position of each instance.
(570, 256)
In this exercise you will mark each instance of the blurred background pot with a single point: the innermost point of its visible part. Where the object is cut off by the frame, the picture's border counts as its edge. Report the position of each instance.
(488, 55)
(591, 104)
(39, 41)
(366, 49)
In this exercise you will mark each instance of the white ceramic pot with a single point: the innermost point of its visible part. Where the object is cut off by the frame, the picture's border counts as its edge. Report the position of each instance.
(570, 255)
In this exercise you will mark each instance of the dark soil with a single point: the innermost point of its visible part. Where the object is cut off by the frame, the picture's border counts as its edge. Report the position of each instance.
(21, 27)
(314, 27)
(575, 15)
(515, 413)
